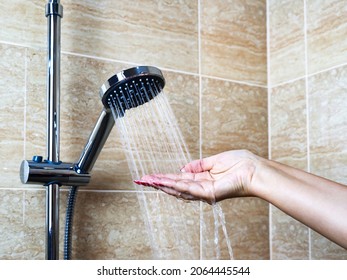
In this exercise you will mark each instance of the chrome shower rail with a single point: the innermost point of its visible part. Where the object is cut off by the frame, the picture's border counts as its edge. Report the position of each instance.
(54, 13)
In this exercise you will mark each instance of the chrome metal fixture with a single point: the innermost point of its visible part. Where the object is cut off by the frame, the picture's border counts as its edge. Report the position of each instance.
(125, 90)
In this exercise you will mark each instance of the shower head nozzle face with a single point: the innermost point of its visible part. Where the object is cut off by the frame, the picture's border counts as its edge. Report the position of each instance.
(131, 88)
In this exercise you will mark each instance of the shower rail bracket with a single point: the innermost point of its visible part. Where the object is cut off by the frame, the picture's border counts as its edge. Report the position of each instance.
(44, 172)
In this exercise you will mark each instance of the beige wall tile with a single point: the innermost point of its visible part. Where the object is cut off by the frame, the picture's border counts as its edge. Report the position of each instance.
(234, 116)
(289, 146)
(176, 226)
(144, 32)
(328, 147)
(288, 124)
(247, 225)
(23, 22)
(324, 249)
(12, 104)
(233, 40)
(12, 229)
(36, 121)
(122, 232)
(328, 124)
(109, 226)
(326, 34)
(290, 238)
(183, 95)
(287, 45)
(22, 219)
(35, 224)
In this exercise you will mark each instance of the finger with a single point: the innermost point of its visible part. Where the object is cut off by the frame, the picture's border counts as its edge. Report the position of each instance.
(169, 190)
(186, 176)
(200, 165)
(173, 192)
(186, 189)
(175, 182)
(197, 189)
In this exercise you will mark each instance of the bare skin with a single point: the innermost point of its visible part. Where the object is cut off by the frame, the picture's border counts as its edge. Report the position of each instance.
(319, 203)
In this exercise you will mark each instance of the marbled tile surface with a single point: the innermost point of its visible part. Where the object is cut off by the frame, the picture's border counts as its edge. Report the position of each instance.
(35, 117)
(233, 40)
(112, 226)
(289, 146)
(328, 148)
(109, 226)
(290, 238)
(326, 34)
(234, 116)
(287, 44)
(324, 249)
(288, 124)
(247, 226)
(12, 227)
(23, 22)
(183, 94)
(162, 33)
(175, 229)
(146, 32)
(12, 104)
(328, 124)
(22, 224)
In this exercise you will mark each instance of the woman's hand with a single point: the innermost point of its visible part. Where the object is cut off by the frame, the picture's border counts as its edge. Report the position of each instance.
(211, 179)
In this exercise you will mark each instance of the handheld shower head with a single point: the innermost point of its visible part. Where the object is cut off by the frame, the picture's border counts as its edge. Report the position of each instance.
(125, 90)
(131, 88)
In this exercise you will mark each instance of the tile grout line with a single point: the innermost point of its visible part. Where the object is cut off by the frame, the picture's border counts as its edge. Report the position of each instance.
(182, 71)
(18, 45)
(136, 64)
(307, 116)
(200, 119)
(234, 81)
(269, 110)
(310, 75)
(25, 119)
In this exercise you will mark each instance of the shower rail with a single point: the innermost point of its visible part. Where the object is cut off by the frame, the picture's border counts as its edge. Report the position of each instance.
(54, 13)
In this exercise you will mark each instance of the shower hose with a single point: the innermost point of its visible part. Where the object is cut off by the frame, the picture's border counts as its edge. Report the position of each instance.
(69, 222)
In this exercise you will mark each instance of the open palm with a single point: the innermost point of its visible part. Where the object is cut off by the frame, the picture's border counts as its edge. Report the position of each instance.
(210, 179)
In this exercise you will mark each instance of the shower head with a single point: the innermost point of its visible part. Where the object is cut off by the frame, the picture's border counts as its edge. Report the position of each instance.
(131, 88)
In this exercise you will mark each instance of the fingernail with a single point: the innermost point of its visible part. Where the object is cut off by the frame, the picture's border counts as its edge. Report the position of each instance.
(183, 170)
(139, 182)
(157, 184)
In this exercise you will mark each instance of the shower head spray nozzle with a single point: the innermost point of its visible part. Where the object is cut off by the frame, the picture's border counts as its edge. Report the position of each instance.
(131, 88)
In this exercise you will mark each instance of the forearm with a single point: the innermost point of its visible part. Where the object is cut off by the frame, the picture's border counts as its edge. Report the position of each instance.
(317, 202)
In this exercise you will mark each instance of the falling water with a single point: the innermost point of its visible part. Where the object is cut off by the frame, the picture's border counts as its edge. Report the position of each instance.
(153, 143)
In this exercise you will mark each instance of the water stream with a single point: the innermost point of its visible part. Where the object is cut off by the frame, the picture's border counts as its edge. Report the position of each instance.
(153, 143)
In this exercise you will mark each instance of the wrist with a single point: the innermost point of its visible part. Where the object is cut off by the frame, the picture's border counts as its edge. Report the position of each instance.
(261, 170)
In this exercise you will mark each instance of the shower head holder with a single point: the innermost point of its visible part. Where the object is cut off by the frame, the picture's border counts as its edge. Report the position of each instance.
(123, 91)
